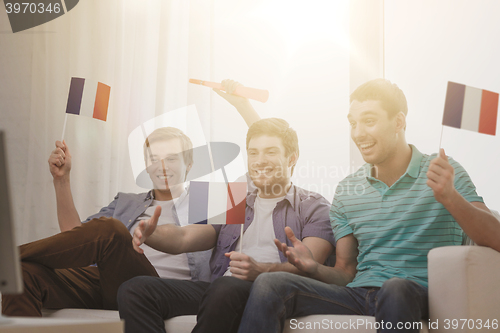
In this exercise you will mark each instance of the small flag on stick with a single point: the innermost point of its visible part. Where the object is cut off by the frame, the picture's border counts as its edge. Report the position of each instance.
(217, 203)
(87, 98)
(470, 108)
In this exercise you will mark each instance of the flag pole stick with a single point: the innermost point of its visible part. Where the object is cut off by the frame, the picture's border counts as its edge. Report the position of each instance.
(64, 126)
(241, 238)
(440, 139)
(234, 205)
(211, 157)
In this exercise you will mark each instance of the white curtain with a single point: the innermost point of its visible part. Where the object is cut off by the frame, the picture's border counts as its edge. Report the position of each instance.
(141, 50)
(146, 51)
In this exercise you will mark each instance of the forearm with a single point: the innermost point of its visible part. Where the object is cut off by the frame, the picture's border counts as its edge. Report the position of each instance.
(175, 240)
(247, 111)
(280, 267)
(478, 223)
(67, 214)
(331, 275)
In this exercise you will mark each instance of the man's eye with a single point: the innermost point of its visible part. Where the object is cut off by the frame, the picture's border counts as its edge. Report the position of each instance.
(369, 121)
(353, 124)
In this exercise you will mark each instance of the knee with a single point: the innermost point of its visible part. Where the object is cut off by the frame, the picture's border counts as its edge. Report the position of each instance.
(134, 294)
(396, 291)
(133, 290)
(109, 227)
(268, 284)
(227, 290)
(32, 273)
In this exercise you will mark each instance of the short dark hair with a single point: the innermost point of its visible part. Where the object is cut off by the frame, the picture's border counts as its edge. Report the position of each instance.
(279, 128)
(392, 99)
(168, 133)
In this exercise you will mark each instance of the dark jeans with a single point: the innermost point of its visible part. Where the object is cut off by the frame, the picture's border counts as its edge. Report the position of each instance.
(56, 273)
(145, 302)
(277, 296)
(222, 305)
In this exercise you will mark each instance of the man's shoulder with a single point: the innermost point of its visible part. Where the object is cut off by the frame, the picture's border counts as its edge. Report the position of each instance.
(358, 176)
(303, 194)
(132, 197)
(427, 158)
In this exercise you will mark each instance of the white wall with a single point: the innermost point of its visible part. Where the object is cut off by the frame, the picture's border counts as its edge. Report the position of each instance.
(300, 53)
(428, 43)
(15, 103)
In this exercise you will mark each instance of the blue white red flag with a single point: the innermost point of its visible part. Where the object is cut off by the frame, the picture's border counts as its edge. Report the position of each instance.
(471, 108)
(217, 202)
(88, 98)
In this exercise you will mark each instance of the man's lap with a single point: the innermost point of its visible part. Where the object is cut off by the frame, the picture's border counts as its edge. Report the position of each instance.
(304, 296)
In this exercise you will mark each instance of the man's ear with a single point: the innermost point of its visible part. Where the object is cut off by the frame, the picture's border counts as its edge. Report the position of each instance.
(400, 121)
(292, 159)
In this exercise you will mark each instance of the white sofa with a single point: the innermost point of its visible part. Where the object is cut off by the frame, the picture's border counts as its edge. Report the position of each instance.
(464, 291)
(464, 284)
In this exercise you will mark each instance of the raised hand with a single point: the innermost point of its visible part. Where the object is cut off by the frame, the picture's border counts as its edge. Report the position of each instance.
(440, 178)
(145, 229)
(60, 161)
(299, 255)
(229, 87)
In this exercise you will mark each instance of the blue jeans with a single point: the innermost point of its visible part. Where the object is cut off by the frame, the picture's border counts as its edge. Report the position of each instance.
(277, 296)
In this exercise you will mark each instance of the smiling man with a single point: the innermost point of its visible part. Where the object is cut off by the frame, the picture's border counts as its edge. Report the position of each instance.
(272, 149)
(386, 217)
(56, 270)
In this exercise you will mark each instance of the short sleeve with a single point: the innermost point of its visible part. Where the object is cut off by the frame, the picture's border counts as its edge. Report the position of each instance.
(107, 211)
(338, 220)
(463, 183)
(317, 221)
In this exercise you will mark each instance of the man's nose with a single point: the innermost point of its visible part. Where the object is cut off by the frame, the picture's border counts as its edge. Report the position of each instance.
(260, 159)
(164, 166)
(357, 132)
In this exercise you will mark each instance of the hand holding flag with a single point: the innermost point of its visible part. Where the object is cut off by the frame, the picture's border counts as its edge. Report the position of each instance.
(440, 178)
(245, 267)
(60, 161)
(145, 229)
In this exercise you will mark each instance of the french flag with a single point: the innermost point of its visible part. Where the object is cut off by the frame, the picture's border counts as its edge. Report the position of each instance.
(88, 98)
(217, 203)
(470, 108)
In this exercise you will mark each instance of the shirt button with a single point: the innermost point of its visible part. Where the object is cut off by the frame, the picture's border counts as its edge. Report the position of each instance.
(234, 237)
(248, 218)
(130, 220)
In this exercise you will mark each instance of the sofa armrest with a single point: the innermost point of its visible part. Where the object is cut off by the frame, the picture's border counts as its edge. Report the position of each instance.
(464, 284)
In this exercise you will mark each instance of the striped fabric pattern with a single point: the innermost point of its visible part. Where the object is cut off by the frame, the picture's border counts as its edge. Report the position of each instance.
(396, 227)
(470, 108)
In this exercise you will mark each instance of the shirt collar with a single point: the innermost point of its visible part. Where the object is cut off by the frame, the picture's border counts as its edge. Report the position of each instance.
(290, 196)
(416, 159)
(151, 195)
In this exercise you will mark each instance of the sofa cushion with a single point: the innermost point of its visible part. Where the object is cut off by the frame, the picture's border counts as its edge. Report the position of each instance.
(181, 324)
